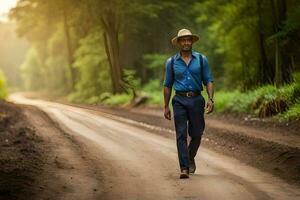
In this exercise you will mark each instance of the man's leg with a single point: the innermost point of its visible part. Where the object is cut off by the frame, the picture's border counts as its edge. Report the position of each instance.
(193, 146)
(180, 119)
(196, 128)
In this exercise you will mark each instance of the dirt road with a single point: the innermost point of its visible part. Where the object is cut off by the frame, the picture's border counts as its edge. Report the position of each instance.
(114, 160)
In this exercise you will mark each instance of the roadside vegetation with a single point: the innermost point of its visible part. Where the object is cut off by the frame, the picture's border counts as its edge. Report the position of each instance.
(282, 103)
(3, 92)
(265, 101)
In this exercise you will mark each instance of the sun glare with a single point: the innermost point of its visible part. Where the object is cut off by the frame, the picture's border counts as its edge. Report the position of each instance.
(5, 6)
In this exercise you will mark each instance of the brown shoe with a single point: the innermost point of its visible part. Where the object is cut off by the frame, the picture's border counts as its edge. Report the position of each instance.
(184, 174)
(192, 167)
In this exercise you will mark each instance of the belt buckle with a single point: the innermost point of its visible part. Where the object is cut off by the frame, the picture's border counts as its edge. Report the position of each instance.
(189, 94)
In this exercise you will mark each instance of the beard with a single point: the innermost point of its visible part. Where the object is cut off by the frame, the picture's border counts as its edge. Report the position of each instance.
(186, 48)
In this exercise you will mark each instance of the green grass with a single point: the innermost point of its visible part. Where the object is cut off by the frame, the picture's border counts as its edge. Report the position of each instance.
(119, 99)
(229, 102)
(266, 101)
(155, 98)
(3, 90)
(283, 103)
(291, 114)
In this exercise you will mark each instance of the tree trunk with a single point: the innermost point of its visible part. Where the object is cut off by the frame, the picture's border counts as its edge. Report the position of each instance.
(293, 63)
(112, 72)
(286, 62)
(113, 37)
(69, 46)
(111, 31)
(245, 76)
(263, 67)
(281, 62)
(278, 75)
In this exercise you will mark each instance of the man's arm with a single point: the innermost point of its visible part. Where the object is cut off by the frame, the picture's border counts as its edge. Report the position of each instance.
(168, 83)
(208, 81)
(167, 96)
(210, 94)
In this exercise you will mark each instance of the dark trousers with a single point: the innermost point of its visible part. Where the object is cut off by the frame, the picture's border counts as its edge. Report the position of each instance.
(189, 119)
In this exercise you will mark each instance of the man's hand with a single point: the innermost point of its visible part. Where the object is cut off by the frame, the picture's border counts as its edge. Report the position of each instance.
(210, 95)
(209, 106)
(167, 96)
(167, 113)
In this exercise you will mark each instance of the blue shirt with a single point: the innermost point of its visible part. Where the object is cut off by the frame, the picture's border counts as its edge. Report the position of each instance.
(187, 77)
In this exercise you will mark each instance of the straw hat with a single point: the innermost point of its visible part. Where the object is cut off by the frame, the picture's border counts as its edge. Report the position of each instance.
(182, 33)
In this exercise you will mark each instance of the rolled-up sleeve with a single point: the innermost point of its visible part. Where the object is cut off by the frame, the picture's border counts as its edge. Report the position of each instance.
(168, 82)
(207, 77)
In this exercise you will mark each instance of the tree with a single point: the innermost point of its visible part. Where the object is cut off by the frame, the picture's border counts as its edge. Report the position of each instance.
(37, 21)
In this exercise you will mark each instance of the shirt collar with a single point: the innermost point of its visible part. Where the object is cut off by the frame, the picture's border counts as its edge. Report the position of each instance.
(177, 56)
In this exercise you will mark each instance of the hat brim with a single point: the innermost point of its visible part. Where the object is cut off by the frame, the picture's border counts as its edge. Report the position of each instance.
(174, 41)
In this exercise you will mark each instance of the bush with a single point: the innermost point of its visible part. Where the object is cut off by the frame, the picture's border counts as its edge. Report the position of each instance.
(295, 88)
(269, 101)
(224, 99)
(119, 99)
(154, 90)
(241, 103)
(3, 92)
(155, 64)
(292, 113)
(131, 83)
(265, 101)
(153, 85)
(93, 71)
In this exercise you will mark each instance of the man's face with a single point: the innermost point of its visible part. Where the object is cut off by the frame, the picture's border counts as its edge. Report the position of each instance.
(185, 43)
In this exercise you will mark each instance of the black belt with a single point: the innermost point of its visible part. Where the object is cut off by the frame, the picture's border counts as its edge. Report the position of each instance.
(188, 94)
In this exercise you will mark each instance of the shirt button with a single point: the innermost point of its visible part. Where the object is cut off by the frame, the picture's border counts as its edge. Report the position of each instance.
(189, 78)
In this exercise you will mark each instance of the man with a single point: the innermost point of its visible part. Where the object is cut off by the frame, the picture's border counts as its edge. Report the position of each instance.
(187, 70)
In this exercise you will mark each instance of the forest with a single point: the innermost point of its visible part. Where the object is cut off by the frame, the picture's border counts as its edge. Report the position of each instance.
(112, 52)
